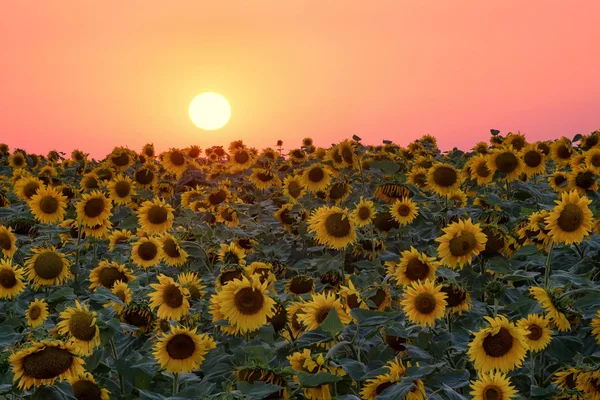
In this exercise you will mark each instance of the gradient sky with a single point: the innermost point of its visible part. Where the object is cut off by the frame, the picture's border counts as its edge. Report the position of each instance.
(74, 75)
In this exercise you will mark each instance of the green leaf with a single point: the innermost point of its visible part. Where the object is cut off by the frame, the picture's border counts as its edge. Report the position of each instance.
(452, 379)
(526, 251)
(355, 369)
(314, 380)
(494, 132)
(564, 348)
(62, 294)
(397, 391)
(386, 166)
(577, 138)
(373, 318)
(498, 264)
(102, 295)
(451, 394)
(356, 138)
(332, 323)
(258, 389)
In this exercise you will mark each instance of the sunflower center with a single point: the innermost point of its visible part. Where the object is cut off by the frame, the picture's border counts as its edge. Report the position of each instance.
(217, 197)
(18, 161)
(147, 251)
(585, 180)
(172, 296)
(170, 248)
(144, 176)
(455, 296)
(532, 158)
(298, 154)
(248, 301)
(425, 303)
(571, 218)
(121, 295)
(595, 160)
(228, 276)
(445, 176)
(294, 189)
(5, 242)
(47, 363)
(507, 162)
(30, 189)
(338, 225)
(82, 326)
(364, 213)
(492, 393)
(301, 285)
(499, 344)
(264, 177)
(563, 152)
(181, 346)
(570, 381)
(295, 323)
(535, 332)
(420, 180)
(86, 390)
(403, 210)
(177, 159)
(35, 312)
(559, 179)
(194, 292)
(483, 170)
(322, 313)
(48, 204)
(94, 207)
(137, 318)
(379, 297)
(416, 269)
(396, 342)
(241, 157)
(462, 244)
(121, 160)
(353, 301)
(347, 154)
(337, 191)
(157, 215)
(381, 387)
(48, 265)
(91, 183)
(7, 278)
(122, 188)
(108, 277)
(278, 319)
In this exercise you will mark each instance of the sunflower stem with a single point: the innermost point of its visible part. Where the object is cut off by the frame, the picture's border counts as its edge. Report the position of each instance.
(175, 383)
(115, 357)
(548, 265)
(532, 368)
(78, 251)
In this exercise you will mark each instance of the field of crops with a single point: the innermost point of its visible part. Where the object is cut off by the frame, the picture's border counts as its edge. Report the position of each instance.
(349, 272)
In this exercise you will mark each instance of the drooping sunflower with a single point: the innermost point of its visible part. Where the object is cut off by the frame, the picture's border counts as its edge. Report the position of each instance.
(192, 283)
(506, 161)
(8, 241)
(293, 188)
(539, 335)
(424, 302)
(44, 362)
(93, 209)
(316, 178)
(147, 252)
(121, 189)
(118, 237)
(48, 205)
(311, 363)
(175, 162)
(11, 280)
(81, 327)
(26, 187)
(413, 266)
(338, 192)
(251, 374)
(396, 371)
(315, 311)
(364, 213)
(182, 349)
(589, 383)
(299, 285)
(443, 179)
(245, 304)
(458, 299)
(155, 217)
(171, 298)
(73, 233)
(566, 379)
(333, 227)
(492, 386)
(85, 388)
(547, 301)
(47, 267)
(262, 270)
(37, 313)
(173, 254)
(107, 273)
(228, 215)
(461, 241)
(404, 211)
(570, 220)
(500, 347)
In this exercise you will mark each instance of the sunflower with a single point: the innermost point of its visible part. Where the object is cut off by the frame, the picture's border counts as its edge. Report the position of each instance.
(8, 241)
(155, 217)
(93, 209)
(506, 161)
(245, 244)
(539, 335)
(17, 160)
(583, 179)
(443, 179)
(118, 237)
(298, 156)
(316, 178)
(263, 178)
(218, 196)
(351, 297)
(175, 162)
(589, 383)
(165, 190)
(533, 160)
(173, 254)
(492, 386)
(47, 267)
(81, 327)
(559, 181)
(548, 303)
(502, 346)
(315, 311)
(11, 280)
(561, 152)
(461, 241)
(73, 233)
(145, 176)
(380, 299)
(245, 304)
(570, 220)
(138, 316)
(109, 272)
(404, 211)
(48, 205)
(241, 159)
(231, 254)
(566, 379)
(228, 216)
(285, 216)
(121, 189)
(26, 187)
(85, 387)
(98, 231)
(293, 188)
(338, 192)
(44, 362)
(264, 272)
(418, 177)
(413, 266)
(592, 159)
(146, 252)
(251, 374)
(364, 213)
(124, 293)
(373, 387)
(335, 157)
(396, 371)
(182, 349)
(458, 299)
(333, 227)
(596, 325)
(348, 153)
(481, 148)
(192, 283)
(37, 313)
(299, 285)
(170, 298)
(423, 302)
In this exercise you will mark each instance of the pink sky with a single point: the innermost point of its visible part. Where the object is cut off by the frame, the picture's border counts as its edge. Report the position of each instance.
(75, 75)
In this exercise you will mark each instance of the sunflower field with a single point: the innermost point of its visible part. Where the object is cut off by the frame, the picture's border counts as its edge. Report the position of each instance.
(349, 272)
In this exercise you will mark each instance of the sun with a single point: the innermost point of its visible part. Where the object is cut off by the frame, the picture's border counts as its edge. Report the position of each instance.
(209, 111)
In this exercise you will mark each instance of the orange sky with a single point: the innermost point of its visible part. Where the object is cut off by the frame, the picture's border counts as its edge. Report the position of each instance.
(124, 72)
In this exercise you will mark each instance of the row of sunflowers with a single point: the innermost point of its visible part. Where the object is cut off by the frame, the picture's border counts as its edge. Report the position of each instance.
(348, 272)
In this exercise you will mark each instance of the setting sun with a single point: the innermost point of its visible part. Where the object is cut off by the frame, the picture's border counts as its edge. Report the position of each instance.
(210, 111)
